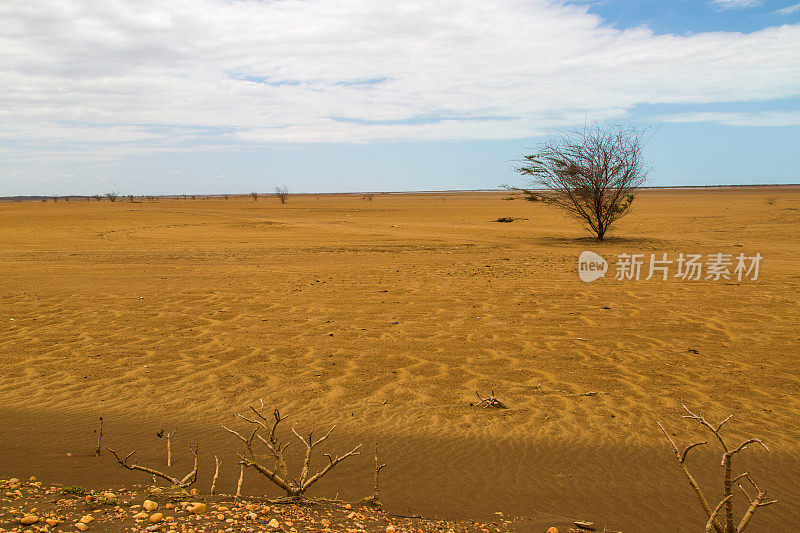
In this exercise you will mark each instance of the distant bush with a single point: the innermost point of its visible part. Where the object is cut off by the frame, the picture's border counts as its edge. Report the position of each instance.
(75, 489)
(282, 193)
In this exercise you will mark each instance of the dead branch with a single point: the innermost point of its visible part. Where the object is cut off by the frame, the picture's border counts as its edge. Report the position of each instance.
(99, 432)
(681, 457)
(375, 499)
(168, 436)
(491, 401)
(187, 481)
(242, 466)
(217, 462)
(728, 482)
(295, 488)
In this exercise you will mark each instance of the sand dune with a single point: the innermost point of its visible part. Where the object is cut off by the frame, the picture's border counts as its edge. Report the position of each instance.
(385, 317)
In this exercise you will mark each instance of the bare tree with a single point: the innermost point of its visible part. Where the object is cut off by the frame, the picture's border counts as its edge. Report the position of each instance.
(759, 500)
(254, 195)
(282, 193)
(112, 196)
(295, 488)
(591, 173)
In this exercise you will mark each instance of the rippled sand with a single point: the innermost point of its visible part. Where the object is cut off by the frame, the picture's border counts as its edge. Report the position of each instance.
(386, 316)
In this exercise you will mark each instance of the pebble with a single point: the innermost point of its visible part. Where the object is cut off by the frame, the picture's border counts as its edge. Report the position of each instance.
(87, 519)
(81, 526)
(327, 523)
(110, 496)
(13, 481)
(390, 529)
(274, 524)
(553, 529)
(29, 519)
(156, 518)
(194, 492)
(52, 522)
(140, 516)
(198, 508)
(150, 505)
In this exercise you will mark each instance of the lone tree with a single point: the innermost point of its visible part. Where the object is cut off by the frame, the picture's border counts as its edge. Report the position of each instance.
(591, 173)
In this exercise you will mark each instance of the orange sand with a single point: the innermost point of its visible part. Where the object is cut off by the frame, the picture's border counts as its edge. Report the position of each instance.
(386, 316)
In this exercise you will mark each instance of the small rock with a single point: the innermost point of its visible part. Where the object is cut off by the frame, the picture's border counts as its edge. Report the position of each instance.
(110, 496)
(156, 490)
(194, 492)
(140, 516)
(29, 519)
(81, 526)
(52, 522)
(589, 526)
(33, 478)
(87, 519)
(156, 518)
(327, 523)
(348, 506)
(274, 524)
(198, 508)
(150, 505)
(553, 529)
(13, 481)
(390, 529)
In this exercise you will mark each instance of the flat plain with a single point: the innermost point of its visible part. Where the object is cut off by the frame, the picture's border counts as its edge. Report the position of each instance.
(385, 316)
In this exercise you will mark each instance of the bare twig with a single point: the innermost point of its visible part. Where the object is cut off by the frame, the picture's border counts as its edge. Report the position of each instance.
(491, 401)
(168, 436)
(99, 432)
(216, 475)
(242, 466)
(375, 499)
(186, 481)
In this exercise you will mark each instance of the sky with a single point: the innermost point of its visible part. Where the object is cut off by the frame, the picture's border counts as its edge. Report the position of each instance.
(218, 96)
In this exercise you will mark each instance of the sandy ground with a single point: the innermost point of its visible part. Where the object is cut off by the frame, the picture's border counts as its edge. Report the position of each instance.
(385, 317)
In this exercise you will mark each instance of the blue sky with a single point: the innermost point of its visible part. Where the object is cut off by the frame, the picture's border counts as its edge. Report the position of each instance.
(209, 96)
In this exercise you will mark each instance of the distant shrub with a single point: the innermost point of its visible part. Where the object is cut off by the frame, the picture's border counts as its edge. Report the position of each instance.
(75, 489)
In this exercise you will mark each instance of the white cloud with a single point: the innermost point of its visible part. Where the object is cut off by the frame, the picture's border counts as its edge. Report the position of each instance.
(763, 118)
(788, 10)
(729, 4)
(179, 75)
